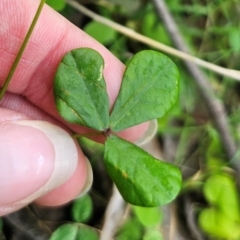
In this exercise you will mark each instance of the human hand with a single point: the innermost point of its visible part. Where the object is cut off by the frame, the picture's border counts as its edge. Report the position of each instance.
(39, 161)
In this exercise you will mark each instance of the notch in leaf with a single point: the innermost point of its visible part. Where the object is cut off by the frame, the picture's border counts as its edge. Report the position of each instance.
(149, 90)
(80, 89)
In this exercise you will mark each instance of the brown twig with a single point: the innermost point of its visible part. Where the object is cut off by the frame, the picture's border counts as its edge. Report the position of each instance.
(234, 74)
(215, 107)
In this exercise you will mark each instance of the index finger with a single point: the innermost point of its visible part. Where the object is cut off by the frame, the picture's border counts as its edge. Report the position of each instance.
(52, 38)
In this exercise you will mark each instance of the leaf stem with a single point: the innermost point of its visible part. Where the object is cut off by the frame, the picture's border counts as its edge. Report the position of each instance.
(107, 132)
(79, 135)
(19, 55)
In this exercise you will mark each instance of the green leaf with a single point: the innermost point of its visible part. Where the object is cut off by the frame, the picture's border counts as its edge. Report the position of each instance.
(131, 229)
(74, 232)
(100, 32)
(141, 179)
(148, 216)
(80, 89)
(149, 90)
(222, 218)
(221, 191)
(153, 235)
(216, 223)
(58, 5)
(152, 28)
(234, 39)
(82, 208)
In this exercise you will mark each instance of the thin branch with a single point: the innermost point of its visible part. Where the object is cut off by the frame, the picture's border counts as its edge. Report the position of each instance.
(155, 44)
(215, 107)
(20, 53)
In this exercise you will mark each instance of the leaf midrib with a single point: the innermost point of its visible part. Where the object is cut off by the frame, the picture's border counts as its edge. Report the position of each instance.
(122, 150)
(92, 103)
(131, 106)
(72, 110)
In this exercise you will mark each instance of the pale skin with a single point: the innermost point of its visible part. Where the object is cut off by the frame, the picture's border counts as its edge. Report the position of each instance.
(27, 156)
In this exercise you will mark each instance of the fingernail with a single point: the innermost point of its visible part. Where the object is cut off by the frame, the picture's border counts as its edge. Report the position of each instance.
(149, 134)
(38, 155)
(89, 180)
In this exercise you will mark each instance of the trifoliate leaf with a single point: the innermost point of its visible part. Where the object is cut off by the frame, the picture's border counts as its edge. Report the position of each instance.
(80, 89)
(141, 179)
(149, 90)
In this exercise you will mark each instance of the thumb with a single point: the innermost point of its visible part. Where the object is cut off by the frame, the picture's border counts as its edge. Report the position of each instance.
(35, 158)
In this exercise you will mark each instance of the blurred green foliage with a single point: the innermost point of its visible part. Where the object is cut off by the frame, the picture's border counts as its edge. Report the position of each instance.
(102, 33)
(142, 224)
(75, 232)
(82, 209)
(152, 28)
(148, 216)
(58, 5)
(222, 218)
(153, 235)
(131, 229)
